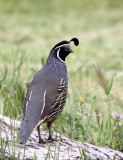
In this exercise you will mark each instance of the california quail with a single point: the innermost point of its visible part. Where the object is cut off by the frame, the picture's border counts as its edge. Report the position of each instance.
(47, 92)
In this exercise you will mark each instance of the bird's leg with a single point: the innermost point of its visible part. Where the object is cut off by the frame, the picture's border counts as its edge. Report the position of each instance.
(49, 124)
(40, 139)
(50, 139)
(49, 128)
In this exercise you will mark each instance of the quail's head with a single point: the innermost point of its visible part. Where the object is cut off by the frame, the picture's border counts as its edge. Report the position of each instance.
(63, 49)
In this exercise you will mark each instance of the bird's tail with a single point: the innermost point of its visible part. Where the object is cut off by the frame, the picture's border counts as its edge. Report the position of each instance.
(26, 129)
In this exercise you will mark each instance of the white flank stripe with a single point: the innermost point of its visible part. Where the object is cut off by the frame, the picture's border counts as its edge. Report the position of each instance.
(28, 100)
(56, 109)
(55, 104)
(53, 114)
(44, 102)
(26, 105)
(61, 86)
(59, 89)
(30, 95)
(41, 121)
(57, 100)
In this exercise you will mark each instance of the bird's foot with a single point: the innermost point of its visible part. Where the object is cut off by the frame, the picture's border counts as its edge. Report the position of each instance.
(42, 141)
(51, 140)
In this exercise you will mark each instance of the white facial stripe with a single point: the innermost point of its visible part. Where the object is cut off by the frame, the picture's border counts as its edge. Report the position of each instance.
(44, 102)
(58, 55)
(28, 100)
(41, 121)
(61, 46)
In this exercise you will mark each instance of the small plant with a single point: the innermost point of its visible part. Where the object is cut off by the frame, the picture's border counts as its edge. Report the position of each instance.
(118, 132)
(82, 153)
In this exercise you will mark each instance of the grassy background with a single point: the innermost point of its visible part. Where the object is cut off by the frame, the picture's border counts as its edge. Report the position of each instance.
(28, 31)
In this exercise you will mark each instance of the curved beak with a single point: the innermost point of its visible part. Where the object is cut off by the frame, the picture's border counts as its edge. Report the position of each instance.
(68, 48)
(71, 51)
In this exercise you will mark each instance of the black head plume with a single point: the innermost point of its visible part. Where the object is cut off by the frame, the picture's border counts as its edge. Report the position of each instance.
(75, 40)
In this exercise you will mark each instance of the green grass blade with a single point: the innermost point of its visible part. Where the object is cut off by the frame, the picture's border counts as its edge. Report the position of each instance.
(110, 86)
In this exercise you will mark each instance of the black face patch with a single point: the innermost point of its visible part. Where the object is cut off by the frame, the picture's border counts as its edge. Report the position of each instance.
(63, 53)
